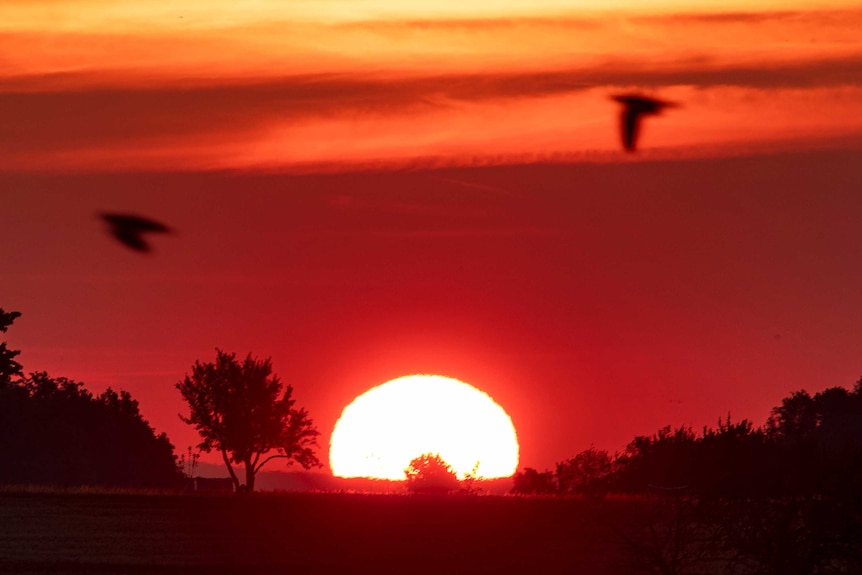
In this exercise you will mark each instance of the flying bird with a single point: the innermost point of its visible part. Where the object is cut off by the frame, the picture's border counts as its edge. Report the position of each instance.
(634, 107)
(129, 229)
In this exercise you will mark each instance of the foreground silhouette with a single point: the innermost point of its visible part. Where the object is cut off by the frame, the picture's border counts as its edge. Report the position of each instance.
(634, 107)
(810, 446)
(782, 498)
(8, 366)
(129, 230)
(242, 410)
(429, 473)
(55, 432)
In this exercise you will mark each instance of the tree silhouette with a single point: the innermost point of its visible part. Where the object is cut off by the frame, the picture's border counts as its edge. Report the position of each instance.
(587, 473)
(731, 460)
(779, 499)
(429, 473)
(663, 459)
(53, 431)
(817, 441)
(532, 482)
(9, 368)
(238, 408)
(795, 419)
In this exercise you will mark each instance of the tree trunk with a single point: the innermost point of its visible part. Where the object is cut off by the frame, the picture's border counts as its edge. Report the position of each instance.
(249, 476)
(230, 470)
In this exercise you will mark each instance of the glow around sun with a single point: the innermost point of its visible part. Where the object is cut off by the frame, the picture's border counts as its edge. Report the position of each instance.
(383, 429)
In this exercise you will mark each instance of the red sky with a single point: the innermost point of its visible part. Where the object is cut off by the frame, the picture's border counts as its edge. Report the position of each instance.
(363, 191)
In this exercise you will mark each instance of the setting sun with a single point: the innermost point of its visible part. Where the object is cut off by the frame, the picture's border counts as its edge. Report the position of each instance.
(383, 429)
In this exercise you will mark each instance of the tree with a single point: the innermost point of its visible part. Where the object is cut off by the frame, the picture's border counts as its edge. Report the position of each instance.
(818, 441)
(665, 458)
(733, 460)
(238, 409)
(532, 482)
(429, 473)
(795, 419)
(9, 368)
(587, 473)
(53, 431)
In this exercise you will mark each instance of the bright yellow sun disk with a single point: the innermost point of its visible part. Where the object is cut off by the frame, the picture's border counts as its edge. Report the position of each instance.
(383, 429)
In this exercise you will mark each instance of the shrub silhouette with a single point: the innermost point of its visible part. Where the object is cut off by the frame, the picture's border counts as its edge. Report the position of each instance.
(429, 473)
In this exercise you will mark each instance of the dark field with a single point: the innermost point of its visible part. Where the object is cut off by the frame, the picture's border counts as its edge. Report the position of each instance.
(307, 533)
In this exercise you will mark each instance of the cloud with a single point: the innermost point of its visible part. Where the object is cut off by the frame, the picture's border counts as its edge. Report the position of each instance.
(421, 88)
(68, 118)
(275, 46)
(807, 17)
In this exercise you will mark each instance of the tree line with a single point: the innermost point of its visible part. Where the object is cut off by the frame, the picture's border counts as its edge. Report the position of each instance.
(810, 444)
(54, 431)
(783, 498)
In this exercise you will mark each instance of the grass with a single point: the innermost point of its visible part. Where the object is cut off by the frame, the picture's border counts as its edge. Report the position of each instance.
(79, 490)
(108, 532)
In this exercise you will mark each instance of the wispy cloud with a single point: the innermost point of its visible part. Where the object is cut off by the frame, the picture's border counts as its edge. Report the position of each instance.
(277, 45)
(286, 93)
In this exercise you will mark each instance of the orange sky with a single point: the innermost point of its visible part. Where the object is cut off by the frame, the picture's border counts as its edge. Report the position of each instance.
(118, 85)
(439, 187)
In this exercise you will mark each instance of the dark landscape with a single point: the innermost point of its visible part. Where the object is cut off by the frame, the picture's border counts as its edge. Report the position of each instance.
(92, 532)
(89, 487)
(306, 533)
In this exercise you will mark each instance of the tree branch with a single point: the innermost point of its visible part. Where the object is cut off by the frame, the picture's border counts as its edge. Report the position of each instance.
(264, 462)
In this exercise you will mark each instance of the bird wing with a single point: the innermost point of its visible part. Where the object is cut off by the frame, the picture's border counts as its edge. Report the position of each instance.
(129, 229)
(131, 238)
(133, 222)
(629, 124)
(144, 224)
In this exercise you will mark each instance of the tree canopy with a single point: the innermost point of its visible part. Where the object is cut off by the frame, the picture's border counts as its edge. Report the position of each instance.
(55, 432)
(242, 410)
(587, 473)
(529, 481)
(429, 473)
(9, 368)
(780, 498)
(810, 445)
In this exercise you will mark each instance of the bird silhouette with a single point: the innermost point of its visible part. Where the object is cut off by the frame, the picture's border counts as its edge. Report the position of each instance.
(634, 107)
(129, 229)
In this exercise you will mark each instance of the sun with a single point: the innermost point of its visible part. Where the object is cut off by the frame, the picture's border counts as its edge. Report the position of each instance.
(386, 427)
